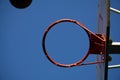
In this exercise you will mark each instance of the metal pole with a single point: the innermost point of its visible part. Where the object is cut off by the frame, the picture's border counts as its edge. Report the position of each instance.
(115, 10)
(114, 66)
(114, 48)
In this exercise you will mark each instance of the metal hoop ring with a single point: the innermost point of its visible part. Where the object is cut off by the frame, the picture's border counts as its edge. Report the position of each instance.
(45, 35)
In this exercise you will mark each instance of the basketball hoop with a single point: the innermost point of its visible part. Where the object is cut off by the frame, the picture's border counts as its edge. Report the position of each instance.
(96, 44)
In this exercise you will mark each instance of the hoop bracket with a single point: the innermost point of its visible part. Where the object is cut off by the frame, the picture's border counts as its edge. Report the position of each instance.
(97, 44)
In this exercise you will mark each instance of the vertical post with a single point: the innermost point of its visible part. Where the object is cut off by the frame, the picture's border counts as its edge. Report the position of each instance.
(107, 40)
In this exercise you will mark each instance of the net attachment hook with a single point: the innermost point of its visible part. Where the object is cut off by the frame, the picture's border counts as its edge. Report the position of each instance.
(96, 42)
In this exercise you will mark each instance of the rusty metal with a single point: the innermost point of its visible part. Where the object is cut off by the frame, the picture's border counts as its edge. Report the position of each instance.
(96, 44)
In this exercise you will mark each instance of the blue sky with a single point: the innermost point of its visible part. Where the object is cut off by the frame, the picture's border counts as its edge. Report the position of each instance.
(21, 31)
